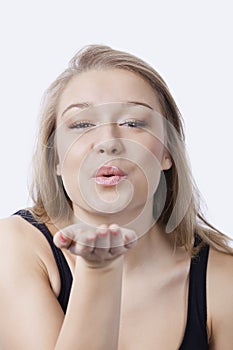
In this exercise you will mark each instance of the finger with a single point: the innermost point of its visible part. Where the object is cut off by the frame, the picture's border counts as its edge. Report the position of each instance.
(84, 248)
(102, 243)
(117, 242)
(130, 238)
(64, 237)
(102, 237)
(61, 240)
(76, 232)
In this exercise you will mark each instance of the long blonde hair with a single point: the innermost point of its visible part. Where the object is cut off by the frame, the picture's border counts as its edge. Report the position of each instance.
(47, 191)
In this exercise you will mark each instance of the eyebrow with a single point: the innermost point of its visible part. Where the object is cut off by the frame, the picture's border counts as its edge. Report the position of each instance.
(77, 105)
(140, 104)
(84, 105)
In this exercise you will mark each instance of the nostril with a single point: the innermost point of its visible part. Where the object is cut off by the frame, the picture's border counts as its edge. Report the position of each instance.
(110, 147)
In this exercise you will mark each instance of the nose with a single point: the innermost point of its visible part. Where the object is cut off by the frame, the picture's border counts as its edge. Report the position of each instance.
(109, 147)
(112, 144)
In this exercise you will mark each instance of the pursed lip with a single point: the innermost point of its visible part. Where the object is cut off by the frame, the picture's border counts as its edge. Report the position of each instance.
(109, 175)
(107, 170)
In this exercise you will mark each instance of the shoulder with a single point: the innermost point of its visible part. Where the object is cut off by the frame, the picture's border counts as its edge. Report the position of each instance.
(24, 248)
(220, 298)
(18, 246)
(13, 232)
(18, 234)
(220, 268)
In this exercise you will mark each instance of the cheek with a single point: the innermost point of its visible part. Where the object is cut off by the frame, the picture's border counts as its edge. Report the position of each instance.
(71, 154)
(155, 147)
(155, 163)
(148, 158)
(71, 149)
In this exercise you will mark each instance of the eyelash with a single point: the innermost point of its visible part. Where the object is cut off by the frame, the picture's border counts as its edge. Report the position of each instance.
(81, 125)
(134, 123)
(129, 123)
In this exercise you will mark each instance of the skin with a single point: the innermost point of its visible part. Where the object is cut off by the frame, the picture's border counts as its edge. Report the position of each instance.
(141, 275)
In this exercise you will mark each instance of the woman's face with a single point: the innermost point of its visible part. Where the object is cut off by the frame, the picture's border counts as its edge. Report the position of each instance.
(109, 140)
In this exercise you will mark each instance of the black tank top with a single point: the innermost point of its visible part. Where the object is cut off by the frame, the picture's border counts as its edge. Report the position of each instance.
(195, 335)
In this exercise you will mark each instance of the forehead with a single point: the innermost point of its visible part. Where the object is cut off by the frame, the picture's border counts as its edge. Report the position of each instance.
(109, 85)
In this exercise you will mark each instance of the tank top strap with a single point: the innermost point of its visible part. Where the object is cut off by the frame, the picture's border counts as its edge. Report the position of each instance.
(195, 336)
(63, 267)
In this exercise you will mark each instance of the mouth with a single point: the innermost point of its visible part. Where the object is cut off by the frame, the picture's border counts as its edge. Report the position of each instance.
(109, 176)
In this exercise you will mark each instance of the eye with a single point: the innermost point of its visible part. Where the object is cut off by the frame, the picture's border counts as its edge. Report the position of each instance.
(133, 123)
(81, 125)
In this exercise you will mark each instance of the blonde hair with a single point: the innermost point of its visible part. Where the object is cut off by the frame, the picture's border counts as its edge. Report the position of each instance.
(181, 217)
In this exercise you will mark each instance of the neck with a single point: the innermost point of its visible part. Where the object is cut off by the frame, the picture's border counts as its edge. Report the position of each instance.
(154, 248)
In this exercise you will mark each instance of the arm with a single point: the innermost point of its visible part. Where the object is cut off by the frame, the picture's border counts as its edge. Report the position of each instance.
(94, 306)
(220, 286)
(93, 314)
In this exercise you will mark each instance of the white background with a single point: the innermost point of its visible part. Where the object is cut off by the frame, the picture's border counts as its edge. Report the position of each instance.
(188, 42)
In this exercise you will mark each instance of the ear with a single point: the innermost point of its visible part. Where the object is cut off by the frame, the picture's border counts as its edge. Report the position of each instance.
(166, 161)
(58, 170)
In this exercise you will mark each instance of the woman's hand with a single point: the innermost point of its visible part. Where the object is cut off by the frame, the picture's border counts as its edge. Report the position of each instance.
(96, 245)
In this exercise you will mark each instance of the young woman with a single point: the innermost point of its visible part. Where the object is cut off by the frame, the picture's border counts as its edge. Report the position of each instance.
(115, 253)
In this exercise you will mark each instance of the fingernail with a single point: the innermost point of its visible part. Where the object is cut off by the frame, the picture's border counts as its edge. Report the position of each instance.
(115, 231)
(62, 238)
(103, 232)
